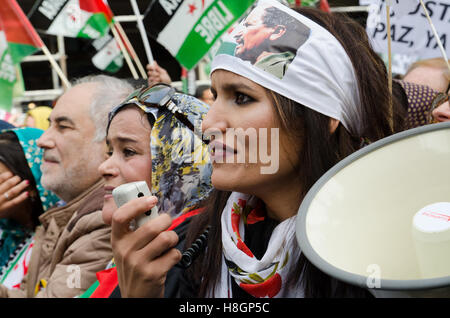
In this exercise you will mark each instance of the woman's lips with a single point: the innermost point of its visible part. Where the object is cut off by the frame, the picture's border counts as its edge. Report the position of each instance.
(108, 192)
(220, 150)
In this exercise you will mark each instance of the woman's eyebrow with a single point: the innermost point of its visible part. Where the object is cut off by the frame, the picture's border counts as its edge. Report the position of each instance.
(234, 86)
(126, 140)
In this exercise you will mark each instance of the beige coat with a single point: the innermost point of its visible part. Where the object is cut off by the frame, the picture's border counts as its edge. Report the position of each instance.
(71, 245)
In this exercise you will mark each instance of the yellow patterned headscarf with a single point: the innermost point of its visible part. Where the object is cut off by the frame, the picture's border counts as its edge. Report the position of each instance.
(181, 168)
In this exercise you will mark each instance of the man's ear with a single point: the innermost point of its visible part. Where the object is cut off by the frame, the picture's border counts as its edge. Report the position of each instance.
(278, 32)
(334, 123)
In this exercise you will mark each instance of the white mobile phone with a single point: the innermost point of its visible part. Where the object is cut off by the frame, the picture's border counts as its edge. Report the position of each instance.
(129, 191)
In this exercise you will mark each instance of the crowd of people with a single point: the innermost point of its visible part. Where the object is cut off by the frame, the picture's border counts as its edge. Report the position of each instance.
(225, 228)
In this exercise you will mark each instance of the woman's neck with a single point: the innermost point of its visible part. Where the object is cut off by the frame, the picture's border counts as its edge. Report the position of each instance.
(284, 202)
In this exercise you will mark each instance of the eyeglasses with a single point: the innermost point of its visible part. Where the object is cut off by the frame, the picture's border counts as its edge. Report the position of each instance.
(148, 98)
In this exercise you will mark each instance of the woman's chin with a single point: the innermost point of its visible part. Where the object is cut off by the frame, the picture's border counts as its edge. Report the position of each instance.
(231, 178)
(108, 211)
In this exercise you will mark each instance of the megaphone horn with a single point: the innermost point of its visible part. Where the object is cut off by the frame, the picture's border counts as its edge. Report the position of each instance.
(380, 218)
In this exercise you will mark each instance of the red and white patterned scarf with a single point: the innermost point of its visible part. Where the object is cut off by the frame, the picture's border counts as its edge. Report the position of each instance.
(260, 278)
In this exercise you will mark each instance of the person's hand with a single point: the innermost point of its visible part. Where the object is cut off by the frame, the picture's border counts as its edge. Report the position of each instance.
(157, 74)
(12, 191)
(143, 257)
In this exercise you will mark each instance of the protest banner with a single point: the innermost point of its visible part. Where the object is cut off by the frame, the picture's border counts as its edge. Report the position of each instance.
(411, 33)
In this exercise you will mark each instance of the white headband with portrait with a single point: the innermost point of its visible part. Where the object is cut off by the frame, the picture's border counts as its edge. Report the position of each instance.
(311, 68)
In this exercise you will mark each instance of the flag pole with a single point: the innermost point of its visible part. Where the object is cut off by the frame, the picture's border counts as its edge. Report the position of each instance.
(132, 51)
(388, 22)
(436, 35)
(141, 28)
(125, 53)
(55, 66)
(389, 38)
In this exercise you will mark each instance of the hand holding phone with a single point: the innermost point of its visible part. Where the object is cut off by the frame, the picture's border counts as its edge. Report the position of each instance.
(129, 191)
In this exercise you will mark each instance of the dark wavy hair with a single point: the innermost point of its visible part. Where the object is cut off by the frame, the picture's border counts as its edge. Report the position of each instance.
(13, 157)
(320, 150)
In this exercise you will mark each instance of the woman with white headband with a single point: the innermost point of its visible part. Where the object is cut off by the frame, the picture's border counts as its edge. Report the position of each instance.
(295, 92)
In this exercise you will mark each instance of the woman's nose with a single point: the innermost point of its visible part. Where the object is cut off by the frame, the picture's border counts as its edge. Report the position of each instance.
(442, 112)
(107, 169)
(215, 121)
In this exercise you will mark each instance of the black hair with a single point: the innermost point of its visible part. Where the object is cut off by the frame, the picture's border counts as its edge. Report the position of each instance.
(13, 157)
(200, 89)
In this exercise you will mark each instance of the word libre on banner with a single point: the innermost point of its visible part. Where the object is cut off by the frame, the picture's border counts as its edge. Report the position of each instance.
(188, 29)
(411, 33)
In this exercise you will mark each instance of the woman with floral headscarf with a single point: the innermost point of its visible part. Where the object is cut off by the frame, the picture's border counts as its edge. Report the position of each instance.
(22, 200)
(149, 143)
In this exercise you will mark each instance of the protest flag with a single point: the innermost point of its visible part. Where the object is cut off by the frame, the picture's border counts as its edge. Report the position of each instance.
(22, 39)
(129, 47)
(91, 19)
(125, 52)
(321, 4)
(141, 29)
(8, 75)
(108, 55)
(72, 18)
(18, 39)
(188, 29)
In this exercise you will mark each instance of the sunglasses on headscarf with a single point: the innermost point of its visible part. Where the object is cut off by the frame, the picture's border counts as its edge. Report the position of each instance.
(440, 99)
(149, 99)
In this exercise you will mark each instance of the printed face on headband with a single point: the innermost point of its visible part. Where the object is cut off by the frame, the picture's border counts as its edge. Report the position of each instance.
(304, 62)
(269, 39)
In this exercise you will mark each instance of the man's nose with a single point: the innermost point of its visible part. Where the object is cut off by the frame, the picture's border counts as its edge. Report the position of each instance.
(46, 141)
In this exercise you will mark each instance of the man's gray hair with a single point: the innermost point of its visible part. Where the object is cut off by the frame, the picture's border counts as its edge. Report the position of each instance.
(111, 92)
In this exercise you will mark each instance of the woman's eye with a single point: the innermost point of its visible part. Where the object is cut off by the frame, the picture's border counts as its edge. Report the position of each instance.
(109, 153)
(242, 99)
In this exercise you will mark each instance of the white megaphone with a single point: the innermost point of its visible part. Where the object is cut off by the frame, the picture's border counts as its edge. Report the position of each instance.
(380, 218)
